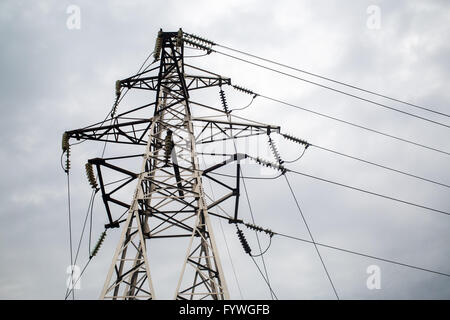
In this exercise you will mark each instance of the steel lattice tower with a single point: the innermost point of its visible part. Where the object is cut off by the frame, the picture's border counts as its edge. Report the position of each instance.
(169, 199)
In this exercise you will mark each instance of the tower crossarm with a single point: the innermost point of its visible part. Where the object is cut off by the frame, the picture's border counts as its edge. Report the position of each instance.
(218, 130)
(193, 82)
(127, 132)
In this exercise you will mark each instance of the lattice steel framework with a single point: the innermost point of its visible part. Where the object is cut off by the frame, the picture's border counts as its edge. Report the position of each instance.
(169, 200)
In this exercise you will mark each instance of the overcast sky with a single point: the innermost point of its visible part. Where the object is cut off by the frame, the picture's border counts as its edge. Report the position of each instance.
(55, 78)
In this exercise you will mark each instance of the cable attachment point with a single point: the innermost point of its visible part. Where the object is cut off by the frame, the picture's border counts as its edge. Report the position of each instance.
(274, 149)
(168, 146)
(98, 245)
(296, 140)
(224, 101)
(90, 175)
(259, 229)
(243, 241)
(158, 45)
(245, 90)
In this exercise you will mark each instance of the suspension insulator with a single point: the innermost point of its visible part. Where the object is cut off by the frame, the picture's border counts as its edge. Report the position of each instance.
(158, 45)
(98, 244)
(244, 90)
(168, 146)
(65, 142)
(269, 164)
(200, 39)
(296, 140)
(275, 152)
(66, 149)
(118, 88)
(180, 38)
(224, 101)
(243, 241)
(118, 93)
(259, 229)
(67, 168)
(91, 176)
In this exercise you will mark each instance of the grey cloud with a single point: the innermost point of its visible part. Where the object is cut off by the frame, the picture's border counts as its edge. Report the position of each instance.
(55, 79)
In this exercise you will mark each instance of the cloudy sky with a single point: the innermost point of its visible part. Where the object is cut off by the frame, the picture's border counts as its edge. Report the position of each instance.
(55, 78)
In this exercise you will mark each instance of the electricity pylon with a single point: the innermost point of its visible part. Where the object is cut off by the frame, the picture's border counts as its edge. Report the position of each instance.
(169, 200)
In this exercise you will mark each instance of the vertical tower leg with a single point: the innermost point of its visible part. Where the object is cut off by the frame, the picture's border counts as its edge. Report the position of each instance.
(130, 269)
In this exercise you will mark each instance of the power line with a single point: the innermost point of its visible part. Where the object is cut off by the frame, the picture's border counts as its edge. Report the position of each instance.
(351, 187)
(338, 91)
(312, 238)
(90, 230)
(246, 177)
(380, 166)
(257, 238)
(225, 239)
(74, 284)
(272, 294)
(231, 260)
(89, 210)
(355, 125)
(363, 254)
(209, 44)
(246, 106)
(335, 81)
(296, 159)
(369, 192)
(347, 156)
(266, 280)
(70, 232)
